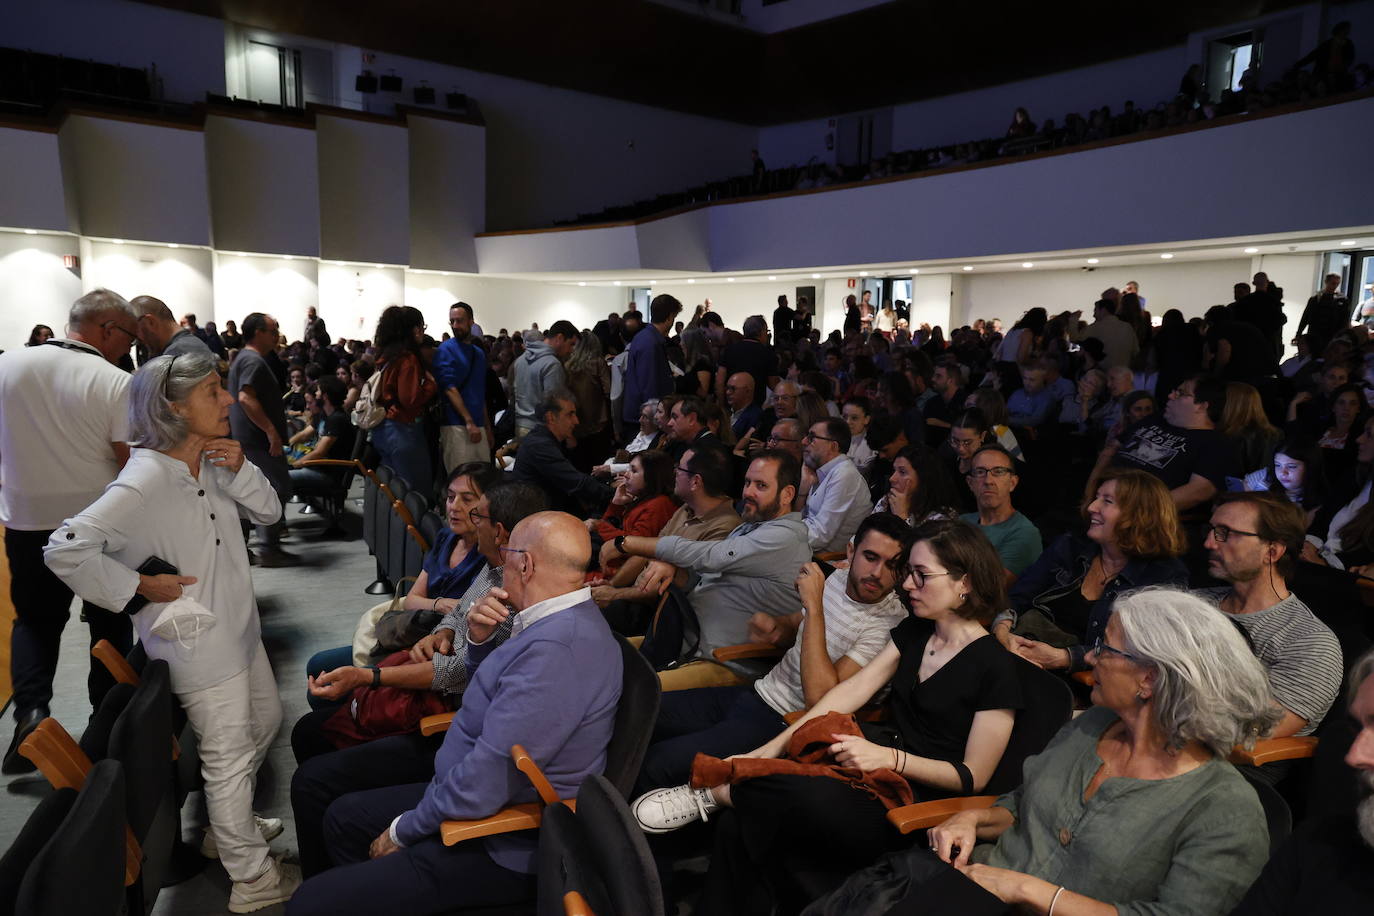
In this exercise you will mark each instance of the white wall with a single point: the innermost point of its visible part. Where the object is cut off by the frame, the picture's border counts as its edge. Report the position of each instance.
(34, 286)
(733, 302)
(447, 192)
(187, 50)
(180, 277)
(510, 304)
(36, 201)
(352, 297)
(281, 288)
(364, 190)
(264, 186)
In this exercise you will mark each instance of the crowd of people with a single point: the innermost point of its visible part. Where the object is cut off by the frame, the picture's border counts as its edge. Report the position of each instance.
(905, 522)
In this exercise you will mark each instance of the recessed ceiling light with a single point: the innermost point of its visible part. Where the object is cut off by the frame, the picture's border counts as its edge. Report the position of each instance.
(1092, 260)
(651, 282)
(729, 279)
(967, 268)
(379, 266)
(690, 280)
(242, 254)
(863, 273)
(615, 282)
(173, 245)
(30, 231)
(290, 257)
(1027, 264)
(1252, 251)
(119, 241)
(581, 282)
(1166, 256)
(772, 278)
(815, 276)
(1347, 242)
(915, 270)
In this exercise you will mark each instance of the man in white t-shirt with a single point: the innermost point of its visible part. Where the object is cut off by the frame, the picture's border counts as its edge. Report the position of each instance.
(62, 440)
(856, 609)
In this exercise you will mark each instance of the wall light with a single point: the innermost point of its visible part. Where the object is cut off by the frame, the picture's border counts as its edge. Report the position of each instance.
(615, 282)
(1092, 260)
(1167, 256)
(1348, 242)
(1027, 264)
(863, 273)
(729, 279)
(690, 280)
(30, 231)
(772, 278)
(119, 241)
(815, 276)
(915, 270)
(173, 245)
(1252, 251)
(581, 282)
(379, 266)
(966, 267)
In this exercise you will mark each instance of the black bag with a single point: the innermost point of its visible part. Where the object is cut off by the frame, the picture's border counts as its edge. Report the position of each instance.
(909, 883)
(674, 634)
(401, 629)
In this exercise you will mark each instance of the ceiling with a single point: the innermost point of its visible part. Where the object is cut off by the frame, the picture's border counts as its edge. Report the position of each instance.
(657, 55)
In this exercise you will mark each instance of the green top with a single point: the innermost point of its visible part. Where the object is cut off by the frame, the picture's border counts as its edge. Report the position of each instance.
(1190, 844)
(1017, 540)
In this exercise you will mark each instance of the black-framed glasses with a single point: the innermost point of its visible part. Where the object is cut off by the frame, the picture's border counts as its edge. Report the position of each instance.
(998, 472)
(812, 437)
(920, 576)
(681, 470)
(1222, 533)
(167, 379)
(1100, 645)
(118, 327)
(513, 550)
(474, 515)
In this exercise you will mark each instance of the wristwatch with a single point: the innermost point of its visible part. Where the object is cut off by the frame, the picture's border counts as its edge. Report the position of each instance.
(620, 543)
(376, 677)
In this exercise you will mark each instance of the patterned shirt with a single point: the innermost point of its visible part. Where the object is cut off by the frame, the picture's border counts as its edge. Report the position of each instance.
(451, 671)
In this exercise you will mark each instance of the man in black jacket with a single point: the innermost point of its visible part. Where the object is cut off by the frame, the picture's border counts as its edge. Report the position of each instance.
(543, 461)
(1326, 315)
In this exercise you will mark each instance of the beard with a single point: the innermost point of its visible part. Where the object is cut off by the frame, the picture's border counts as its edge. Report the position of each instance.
(1364, 810)
(762, 513)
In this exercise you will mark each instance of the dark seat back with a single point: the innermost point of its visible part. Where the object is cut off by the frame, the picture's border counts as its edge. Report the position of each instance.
(81, 867)
(416, 504)
(430, 525)
(142, 740)
(618, 852)
(41, 826)
(1048, 704)
(1277, 817)
(634, 718)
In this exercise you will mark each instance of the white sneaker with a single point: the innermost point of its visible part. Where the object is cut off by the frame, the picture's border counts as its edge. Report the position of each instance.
(275, 885)
(269, 827)
(665, 810)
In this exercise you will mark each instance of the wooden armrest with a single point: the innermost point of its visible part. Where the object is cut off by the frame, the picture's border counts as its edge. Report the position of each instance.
(115, 663)
(924, 815)
(57, 755)
(829, 556)
(330, 463)
(1272, 750)
(433, 725)
(400, 509)
(525, 816)
(574, 904)
(1083, 677)
(748, 650)
(419, 538)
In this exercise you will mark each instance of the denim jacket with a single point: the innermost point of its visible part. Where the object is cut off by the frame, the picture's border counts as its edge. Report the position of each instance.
(1062, 567)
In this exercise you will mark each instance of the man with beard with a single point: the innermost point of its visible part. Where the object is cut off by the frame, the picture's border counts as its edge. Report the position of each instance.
(843, 623)
(1327, 865)
(753, 569)
(460, 366)
(1253, 543)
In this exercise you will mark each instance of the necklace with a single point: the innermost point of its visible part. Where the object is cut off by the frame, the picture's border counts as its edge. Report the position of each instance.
(1102, 569)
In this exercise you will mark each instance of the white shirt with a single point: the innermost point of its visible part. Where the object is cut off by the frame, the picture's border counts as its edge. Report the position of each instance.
(860, 452)
(1333, 545)
(852, 630)
(618, 374)
(61, 407)
(837, 506)
(156, 508)
(539, 610)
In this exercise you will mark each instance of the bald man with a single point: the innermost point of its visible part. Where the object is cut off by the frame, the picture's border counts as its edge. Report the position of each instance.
(161, 333)
(739, 398)
(553, 687)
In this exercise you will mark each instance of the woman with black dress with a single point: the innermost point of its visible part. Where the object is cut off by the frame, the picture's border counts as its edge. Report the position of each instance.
(953, 701)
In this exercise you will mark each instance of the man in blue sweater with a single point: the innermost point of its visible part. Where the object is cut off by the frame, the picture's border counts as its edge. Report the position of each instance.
(553, 687)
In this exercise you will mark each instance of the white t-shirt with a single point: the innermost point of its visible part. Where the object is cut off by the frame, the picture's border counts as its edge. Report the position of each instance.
(60, 408)
(853, 630)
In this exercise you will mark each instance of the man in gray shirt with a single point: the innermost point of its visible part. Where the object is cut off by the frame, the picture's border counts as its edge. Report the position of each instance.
(160, 332)
(257, 419)
(753, 569)
(1253, 543)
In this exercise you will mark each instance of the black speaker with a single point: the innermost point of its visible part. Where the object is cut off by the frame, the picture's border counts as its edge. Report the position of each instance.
(456, 100)
(365, 82)
(391, 83)
(424, 95)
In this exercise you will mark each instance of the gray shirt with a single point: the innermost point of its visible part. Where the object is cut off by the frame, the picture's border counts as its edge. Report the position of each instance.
(753, 569)
(451, 671)
(1190, 844)
(184, 342)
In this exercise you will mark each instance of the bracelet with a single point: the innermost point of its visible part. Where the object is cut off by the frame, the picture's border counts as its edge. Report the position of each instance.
(1054, 900)
(435, 605)
(894, 761)
(376, 677)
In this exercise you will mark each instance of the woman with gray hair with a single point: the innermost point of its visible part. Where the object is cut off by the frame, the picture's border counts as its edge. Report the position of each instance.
(178, 501)
(1132, 807)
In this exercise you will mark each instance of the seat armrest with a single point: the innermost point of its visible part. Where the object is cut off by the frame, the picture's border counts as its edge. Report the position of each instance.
(331, 463)
(1272, 750)
(748, 650)
(57, 755)
(574, 904)
(433, 725)
(829, 556)
(1083, 677)
(419, 538)
(526, 816)
(924, 815)
(115, 663)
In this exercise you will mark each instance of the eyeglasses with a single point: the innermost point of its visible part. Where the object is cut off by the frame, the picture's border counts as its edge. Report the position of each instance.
(1180, 393)
(920, 576)
(1100, 646)
(116, 325)
(773, 440)
(812, 437)
(1222, 533)
(474, 515)
(167, 380)
(998, 472)
(679, 470)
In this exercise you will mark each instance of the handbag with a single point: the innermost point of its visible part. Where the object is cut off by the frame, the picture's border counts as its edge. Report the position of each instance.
(365, 647)
(382, 712)
(368, 412)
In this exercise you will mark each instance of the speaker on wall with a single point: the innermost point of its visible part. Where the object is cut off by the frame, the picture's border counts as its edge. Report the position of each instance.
(424, 95)
(391, 83)
(365, 82)
(456, 100)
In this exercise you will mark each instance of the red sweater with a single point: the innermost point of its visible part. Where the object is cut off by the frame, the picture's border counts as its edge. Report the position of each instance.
(644, 519)
(407, 388)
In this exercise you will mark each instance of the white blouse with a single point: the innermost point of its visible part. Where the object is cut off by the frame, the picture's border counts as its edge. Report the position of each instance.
(156, 508)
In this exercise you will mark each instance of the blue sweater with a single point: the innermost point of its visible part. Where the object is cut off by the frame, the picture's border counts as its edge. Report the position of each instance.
(553, 688)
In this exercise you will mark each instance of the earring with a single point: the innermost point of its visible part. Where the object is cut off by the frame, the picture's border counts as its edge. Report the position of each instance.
(1140, 697)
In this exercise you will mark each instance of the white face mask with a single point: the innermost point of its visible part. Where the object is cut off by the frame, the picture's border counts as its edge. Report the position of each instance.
(183, 620)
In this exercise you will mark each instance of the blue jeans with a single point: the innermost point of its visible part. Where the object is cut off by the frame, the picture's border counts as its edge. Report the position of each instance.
(718, 721)
(322, 661)
(403, 449)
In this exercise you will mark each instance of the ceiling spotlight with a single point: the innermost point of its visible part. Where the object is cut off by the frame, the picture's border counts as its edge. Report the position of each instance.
(915, 270)
(863, 273)
(966, 267)
(651, 282)
(1348, 242)
(30, 231)
(1092, 260)
(1252, 251)
(581, 282)
(690, 280)
(290, 257)
(379, 266)
(173, 245)
(119, 241)
(1027, 264)
(772, 278)
(729, 279)
(242, 254)
(815, 276)
(1166, 256)
(615, 282)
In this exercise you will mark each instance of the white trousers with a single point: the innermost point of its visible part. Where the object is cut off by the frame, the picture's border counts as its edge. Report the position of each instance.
(235, 722)
(459, 448)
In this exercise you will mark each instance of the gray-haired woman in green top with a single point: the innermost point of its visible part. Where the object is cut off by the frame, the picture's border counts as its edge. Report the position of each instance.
(1132, 808)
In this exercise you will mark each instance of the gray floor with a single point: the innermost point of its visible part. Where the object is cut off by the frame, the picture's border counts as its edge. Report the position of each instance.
(304, 609)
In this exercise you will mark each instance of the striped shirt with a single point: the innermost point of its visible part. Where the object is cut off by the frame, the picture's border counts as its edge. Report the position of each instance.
(451, 671)
(852, 629)
(1300, 654)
